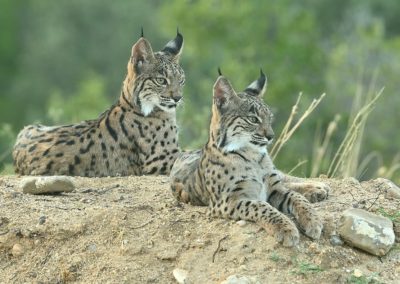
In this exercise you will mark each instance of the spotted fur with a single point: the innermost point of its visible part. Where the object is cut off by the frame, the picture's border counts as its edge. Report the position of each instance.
(135, 136)
(233, 174)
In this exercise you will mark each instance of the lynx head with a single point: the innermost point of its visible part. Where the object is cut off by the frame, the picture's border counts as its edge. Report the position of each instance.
(241, 120)
(155, 79)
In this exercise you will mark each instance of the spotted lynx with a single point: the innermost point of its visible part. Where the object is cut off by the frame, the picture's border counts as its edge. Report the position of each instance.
(136, 136)
(233, 174)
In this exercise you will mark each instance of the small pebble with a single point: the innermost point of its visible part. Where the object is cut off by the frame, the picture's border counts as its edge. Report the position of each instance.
(180, 275)
(17, 250)
(336, 240)
(92, 247)
(357, 273)
(314, 248)
(241, 223)
(42, 220)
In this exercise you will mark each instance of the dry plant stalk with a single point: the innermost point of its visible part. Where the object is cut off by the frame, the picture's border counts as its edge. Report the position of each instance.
(351, 139)
(321, 148)
(389, 172)
(299, 164)
(288, 129)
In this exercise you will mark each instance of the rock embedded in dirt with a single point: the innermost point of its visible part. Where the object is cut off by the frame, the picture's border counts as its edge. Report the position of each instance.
(180, 276)
(336, 240)
(17, 250)
(237, 279)
(367, 231)
(42, 220)
(391, 189)
(43, 185)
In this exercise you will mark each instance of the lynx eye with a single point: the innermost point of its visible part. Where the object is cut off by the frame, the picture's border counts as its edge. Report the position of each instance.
(253, 119)
(182, 81)
(161, 81)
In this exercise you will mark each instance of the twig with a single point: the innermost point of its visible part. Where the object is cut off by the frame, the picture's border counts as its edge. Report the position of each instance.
(379, 194)
(218, 247)
(144, 224)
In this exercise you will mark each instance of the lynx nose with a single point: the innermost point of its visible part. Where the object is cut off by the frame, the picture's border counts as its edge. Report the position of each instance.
(270, 137)
(177, 98)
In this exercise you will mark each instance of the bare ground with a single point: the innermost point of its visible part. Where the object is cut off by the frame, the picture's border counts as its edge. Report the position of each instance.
(131, 230)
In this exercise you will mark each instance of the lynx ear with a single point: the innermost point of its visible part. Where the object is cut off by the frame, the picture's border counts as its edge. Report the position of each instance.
(142, 54)
(223, 92)
(174, 47)
(258, 87)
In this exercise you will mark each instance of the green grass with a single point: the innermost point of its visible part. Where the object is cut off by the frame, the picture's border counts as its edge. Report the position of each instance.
(394, 216)
(275, 257)
(305, 268)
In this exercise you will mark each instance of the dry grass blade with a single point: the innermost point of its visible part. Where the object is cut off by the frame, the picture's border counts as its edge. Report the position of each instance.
(351, 140)
(288, 129)
(299, 164)
(321, 148)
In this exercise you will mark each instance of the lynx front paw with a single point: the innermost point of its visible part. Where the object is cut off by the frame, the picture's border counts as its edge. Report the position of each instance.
(287, 234)
(311, 223)
(315, 191)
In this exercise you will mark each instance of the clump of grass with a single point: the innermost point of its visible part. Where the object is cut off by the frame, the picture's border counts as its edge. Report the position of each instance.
(275, 257)
(289, 127)
(305, 268)
(394, 216)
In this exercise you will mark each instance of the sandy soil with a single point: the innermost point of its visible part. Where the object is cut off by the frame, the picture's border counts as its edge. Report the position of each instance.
(131, 230)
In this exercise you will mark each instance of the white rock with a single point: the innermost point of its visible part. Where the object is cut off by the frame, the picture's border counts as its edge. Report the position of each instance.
(357, 273)
(237, 279)
(367, 231)
(180, 275)
(241, 223)
(51, 184)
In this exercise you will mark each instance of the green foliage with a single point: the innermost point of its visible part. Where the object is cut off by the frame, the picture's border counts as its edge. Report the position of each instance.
(7, 138)
(87, 103)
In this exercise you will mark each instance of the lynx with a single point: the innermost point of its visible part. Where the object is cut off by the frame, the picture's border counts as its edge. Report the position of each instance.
(234, 175)
(135, 136)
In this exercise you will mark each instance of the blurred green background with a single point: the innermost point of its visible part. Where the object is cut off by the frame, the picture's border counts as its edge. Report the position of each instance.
(64, 61)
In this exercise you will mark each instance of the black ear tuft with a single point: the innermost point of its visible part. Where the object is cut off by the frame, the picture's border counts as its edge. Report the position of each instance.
(141, 32)
(257, 88)
(261, 73)
(174, 47)
(219, 71)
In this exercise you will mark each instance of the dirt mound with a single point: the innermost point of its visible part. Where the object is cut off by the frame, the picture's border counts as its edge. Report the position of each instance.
(131, 230)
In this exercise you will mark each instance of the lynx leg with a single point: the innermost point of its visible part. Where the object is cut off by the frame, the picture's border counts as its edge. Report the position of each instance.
(291, 202)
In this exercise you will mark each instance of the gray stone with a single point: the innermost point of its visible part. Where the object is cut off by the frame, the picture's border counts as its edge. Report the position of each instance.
(43, 185)
(42, 220)
(366, 231)
(336, 240)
